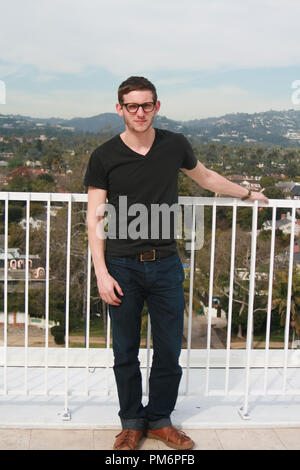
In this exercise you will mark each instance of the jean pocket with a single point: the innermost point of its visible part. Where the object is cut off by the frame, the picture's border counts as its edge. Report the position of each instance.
(171, 271)
(115, 261)
(119, 272)
(181, 270)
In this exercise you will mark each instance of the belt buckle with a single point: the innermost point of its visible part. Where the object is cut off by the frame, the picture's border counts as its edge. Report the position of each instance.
(148, 255)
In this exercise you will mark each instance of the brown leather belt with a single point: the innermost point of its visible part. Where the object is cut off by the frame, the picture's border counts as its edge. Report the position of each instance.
(152, 255)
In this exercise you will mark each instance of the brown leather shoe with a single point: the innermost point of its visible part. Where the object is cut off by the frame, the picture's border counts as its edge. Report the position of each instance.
(127, 439)
(172, 437)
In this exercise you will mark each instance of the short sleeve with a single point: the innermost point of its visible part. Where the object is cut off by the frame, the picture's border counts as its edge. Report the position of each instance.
(189, 161)
(95, 174)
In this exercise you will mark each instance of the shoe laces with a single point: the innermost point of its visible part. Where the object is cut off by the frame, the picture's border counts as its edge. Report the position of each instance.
(182, 435)
(127, 437)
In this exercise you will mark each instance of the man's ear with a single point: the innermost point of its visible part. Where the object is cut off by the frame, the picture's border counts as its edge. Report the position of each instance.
(119, 109)
(157, 107)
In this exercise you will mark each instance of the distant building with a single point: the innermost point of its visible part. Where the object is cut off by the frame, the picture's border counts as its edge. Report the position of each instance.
(16, 263)
(284, 224)
(285, 186)
(25, 171)
(33, 164)
(16, 260)
(248, 182)
(296, 191)
(290, 187)
(41, 220)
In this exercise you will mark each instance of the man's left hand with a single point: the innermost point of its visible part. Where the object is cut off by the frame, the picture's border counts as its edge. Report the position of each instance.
(256, 196)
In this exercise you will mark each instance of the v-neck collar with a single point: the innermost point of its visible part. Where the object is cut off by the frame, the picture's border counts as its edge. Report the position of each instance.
(140, 154)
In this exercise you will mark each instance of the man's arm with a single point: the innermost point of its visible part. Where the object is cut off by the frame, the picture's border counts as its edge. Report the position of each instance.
(106, 283)
(211, 180)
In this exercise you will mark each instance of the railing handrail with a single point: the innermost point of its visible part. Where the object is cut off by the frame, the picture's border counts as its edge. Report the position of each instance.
(186, 200)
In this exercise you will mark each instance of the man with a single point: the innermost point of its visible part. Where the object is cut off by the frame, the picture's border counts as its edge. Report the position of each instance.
(142, 165)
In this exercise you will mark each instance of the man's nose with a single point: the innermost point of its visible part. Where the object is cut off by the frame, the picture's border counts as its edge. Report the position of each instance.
(140, 111)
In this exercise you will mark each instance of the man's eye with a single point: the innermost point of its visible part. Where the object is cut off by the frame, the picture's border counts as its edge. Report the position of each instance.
(132, 107)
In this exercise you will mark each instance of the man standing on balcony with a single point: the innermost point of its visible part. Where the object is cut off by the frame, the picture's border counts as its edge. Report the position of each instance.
(141, 165)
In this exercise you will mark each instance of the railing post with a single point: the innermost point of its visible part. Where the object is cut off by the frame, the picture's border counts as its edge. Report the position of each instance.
(108, 328)
(67, 414)
(5, 326)
(192, 261)
(26, 285)
(288, 301)
(270, 289)
(88, 316)
(148, 353)
(211, 288)
(243, 411)
(47, 291)
(230, 300)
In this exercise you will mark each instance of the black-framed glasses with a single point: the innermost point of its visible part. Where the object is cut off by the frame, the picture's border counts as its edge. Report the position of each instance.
(133, 107)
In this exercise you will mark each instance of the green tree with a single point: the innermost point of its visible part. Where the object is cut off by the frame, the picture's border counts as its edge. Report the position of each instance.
(280, 300)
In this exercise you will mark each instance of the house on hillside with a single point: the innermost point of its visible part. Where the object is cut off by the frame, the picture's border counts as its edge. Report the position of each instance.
(284, 224)
(289, 187)
(26, 171)
(296, 191)
(41, 220)
(248, 182)
(17, 261)
(285, 186)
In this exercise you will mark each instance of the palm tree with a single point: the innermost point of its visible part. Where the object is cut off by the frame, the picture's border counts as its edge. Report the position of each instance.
(280, 291)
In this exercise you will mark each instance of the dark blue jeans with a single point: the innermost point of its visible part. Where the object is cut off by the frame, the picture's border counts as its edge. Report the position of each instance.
(159, 283)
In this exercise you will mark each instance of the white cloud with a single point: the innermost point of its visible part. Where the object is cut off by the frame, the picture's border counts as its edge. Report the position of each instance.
(60, 103)
(209, 102)
(131, 37)
(187, 104)
(168, 39)
(6, 70)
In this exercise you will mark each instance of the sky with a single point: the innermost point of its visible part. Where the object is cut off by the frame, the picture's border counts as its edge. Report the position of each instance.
(66, 58)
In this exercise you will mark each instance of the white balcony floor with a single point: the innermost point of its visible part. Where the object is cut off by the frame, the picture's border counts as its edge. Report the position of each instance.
(99, 410)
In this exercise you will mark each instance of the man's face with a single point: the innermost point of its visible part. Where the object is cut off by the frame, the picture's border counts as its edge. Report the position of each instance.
(140, 121)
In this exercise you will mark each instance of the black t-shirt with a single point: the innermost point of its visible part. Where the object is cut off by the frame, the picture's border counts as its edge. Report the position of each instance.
(131, 178)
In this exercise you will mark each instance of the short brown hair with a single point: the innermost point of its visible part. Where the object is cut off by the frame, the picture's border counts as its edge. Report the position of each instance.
(136, 83)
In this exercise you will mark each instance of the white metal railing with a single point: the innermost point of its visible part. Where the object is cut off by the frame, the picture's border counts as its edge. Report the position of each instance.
(207, 359)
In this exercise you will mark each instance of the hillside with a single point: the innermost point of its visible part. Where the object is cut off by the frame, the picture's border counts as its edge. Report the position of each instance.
(267, 128)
